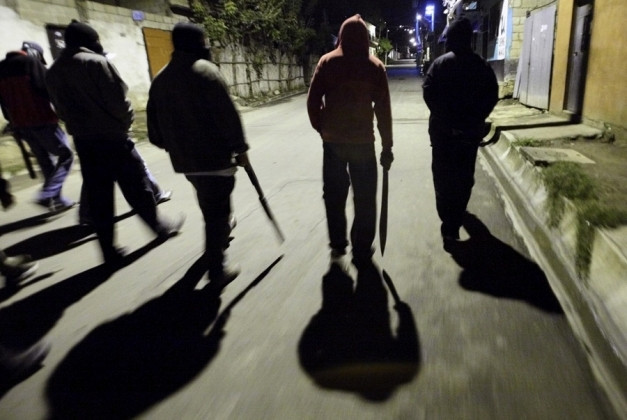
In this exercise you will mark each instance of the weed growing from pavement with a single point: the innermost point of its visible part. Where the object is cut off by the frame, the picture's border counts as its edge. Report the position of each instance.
(529, 142)
(593, 215)
(567, 180)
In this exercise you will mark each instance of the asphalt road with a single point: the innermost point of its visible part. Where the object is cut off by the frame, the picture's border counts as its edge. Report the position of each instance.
(473, 335)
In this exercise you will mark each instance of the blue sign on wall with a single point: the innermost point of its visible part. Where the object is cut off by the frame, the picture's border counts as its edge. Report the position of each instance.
(138, 15)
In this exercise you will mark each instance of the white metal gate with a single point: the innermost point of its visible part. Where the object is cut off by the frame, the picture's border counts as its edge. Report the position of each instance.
(533, 78)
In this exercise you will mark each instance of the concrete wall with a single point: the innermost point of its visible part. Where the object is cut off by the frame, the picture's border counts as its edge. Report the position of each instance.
(284, 74)
(122, 36)
(518, 10)
(605, 94)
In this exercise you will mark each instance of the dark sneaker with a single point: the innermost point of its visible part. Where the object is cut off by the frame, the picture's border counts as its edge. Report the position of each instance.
(56, 204)
(19, 365)
(168, 229)
(362, 260)
(18, 268)
(114, 258)
(163, 196)
(7, 200)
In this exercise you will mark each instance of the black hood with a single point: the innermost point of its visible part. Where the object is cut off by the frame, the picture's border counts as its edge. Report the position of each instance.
(79, 34)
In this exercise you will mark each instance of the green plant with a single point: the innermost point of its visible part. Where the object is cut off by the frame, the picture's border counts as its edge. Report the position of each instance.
(528, 142)
(565, 179)
(592, 215)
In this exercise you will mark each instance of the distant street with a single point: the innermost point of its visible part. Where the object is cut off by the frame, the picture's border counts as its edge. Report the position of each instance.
(473, 335)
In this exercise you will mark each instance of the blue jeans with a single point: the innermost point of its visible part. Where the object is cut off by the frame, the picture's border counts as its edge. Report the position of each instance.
(52, 150)
(343, 165)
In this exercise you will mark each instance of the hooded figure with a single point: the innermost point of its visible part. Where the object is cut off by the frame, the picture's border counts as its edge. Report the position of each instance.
(26, 105)
(34, 50)
(78, 34)
(459, 36)
(460, 90)
(90, 96)
(349, 87)
(191, 115)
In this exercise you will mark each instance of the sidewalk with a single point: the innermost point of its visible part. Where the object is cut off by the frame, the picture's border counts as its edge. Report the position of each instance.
(596, 303)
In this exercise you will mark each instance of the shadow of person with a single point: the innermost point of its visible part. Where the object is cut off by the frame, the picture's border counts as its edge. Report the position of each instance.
(349, 345)
(495, 268)
(52, 242)
(26, 321)
(125, 366)
(32, 221)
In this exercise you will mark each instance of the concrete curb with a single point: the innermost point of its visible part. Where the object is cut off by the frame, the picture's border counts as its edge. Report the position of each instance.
(595, 307)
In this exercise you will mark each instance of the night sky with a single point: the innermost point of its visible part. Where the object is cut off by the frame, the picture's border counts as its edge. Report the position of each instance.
(393, 12)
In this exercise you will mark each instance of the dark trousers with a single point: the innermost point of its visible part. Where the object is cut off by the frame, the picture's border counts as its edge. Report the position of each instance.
(214, 199)
(52, 150)
(453, 168)
(105, 160)
(343, 165)
(84, 213)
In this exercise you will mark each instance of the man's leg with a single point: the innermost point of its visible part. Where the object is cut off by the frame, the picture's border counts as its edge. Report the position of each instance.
(336, 182)
(97, 191)
(453, 168)
(363, 173)
(214, 200)
(130, 174)
(46, 142)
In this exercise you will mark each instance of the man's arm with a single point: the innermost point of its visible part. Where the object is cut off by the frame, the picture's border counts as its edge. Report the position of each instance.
(314, 98)
(112, 90)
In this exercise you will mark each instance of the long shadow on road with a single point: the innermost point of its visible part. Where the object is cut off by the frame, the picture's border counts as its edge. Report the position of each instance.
(349, 344)
(125, 366)
(494, 268)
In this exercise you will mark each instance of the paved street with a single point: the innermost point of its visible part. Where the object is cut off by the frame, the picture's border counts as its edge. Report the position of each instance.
(473, 335)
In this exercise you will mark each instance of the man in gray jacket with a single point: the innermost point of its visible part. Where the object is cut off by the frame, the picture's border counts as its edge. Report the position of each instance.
(90, 96)
(191, 116)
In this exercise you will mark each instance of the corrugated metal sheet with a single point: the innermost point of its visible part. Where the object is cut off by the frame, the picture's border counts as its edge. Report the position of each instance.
(533, 79)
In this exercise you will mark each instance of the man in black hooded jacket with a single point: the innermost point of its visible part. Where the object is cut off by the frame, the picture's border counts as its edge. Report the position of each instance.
(90, 96)
(460, 90)
(191, 115)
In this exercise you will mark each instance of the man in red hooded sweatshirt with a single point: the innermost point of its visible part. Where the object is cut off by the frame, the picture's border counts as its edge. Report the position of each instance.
(349, 87)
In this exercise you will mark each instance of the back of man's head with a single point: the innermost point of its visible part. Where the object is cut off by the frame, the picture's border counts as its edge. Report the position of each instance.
(459, 35)
(34, 50)
(79, 34)
(190, 38)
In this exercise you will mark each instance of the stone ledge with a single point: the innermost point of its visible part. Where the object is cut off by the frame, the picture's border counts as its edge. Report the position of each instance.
(596, 308)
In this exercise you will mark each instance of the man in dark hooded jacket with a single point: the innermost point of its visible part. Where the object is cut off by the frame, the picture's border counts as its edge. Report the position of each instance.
(90, 96)
(26, 105)
(349, 87)
(460, 90)
(191, 116)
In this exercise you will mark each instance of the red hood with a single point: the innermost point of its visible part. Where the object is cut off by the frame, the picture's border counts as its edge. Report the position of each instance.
(353, 38)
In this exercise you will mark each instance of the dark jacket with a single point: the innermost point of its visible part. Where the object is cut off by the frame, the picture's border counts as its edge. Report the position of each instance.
(345, 85)
(89, 94)
(23, 97)
(191, 115)
(460, 90)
